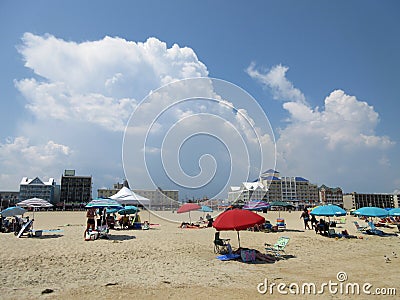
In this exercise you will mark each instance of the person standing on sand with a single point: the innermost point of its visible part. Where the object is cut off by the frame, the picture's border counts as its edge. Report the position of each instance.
(306, 218)
(90, 215)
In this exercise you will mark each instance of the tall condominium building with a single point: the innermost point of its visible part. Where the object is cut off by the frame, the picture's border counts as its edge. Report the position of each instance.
(329, 195)
(356, 200)
(272, 187)
(31, 188)
(75, 189)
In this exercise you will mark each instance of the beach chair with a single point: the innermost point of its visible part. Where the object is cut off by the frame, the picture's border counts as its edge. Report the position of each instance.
(280, 223)
(26, 228)
(278, 248)
(360, 228)
(103, 232)
(221, 245)
(374, 230)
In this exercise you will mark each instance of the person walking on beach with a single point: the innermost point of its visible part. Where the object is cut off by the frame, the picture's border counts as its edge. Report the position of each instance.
(306, 218)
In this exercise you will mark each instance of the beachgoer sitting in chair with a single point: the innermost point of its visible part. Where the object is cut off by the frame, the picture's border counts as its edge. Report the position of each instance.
(24, 227)
(322, 227)
(110, 221)
(125, 222)
(221, 245)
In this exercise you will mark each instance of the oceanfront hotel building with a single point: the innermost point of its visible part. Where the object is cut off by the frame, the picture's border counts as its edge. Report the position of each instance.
(270, 187)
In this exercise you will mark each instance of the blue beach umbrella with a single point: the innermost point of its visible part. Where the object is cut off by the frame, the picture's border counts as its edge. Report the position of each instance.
(13, 211)
(328, 211)
(394, 212)
(111, 210)
(205, 208)
(103, 203)
(127, 210)
(371, 211)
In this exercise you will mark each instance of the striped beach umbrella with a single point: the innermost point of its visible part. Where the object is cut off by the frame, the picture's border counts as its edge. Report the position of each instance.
(257, 205)
(35, 203)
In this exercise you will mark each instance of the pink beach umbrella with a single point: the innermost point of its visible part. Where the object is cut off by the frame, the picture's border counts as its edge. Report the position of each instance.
(188, 207)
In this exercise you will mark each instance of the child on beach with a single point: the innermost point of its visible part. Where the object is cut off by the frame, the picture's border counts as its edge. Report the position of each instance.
(314, 221)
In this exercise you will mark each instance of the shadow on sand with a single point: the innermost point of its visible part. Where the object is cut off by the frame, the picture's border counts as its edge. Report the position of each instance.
(292, 230)
(48, 236)
(122, 237)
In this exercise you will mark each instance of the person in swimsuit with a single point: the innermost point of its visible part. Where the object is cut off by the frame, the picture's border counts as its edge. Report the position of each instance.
(91, 221)
(306, 218)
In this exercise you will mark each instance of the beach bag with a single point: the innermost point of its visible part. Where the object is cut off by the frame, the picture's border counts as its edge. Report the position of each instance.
(91, 236)
(248, 255)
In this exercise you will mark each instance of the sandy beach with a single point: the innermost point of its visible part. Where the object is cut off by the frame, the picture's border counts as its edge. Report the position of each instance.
(167, 262)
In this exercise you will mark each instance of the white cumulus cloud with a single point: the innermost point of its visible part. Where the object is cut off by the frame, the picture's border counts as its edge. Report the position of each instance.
(99, 81)
(19, 157)
(275, 79)
(334, 144)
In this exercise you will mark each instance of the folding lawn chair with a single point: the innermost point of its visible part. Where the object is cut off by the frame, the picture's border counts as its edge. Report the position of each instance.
(360, 228)
(221, 245)
(278, 248)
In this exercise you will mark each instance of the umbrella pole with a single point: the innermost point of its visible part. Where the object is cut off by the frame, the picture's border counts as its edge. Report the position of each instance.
(238, 237)
(33, 216)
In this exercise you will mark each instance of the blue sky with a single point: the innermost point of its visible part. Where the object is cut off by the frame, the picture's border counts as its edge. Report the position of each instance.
(324, 73)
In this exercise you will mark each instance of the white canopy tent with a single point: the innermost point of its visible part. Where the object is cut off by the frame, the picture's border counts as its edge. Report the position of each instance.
(128, 197)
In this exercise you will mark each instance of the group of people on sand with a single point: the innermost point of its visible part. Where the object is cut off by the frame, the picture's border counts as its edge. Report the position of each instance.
(12, 224)
(320, 226)
(201, 223)
(97, 218)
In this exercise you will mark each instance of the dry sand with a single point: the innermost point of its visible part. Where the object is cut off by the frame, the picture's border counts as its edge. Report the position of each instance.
(167, 262)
